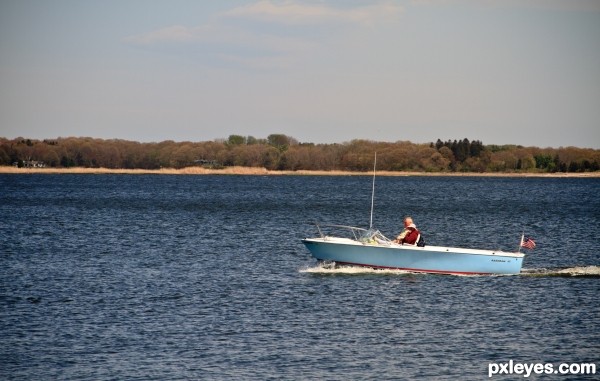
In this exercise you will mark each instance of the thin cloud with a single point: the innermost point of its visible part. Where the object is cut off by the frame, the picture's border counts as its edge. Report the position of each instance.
(175, 33)
(286, 13)
(219, 35)
(252, 35)
(553, 5)
(295, 13)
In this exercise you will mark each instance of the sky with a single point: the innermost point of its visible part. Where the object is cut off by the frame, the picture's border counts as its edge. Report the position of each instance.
(499, 71)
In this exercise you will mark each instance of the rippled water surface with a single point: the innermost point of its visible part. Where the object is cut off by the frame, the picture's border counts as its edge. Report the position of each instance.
(143, 277)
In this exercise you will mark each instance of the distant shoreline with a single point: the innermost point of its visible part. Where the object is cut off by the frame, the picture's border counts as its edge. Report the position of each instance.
(265, 172)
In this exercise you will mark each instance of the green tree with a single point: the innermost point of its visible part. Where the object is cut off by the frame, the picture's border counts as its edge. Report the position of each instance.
(235, 140)
(279, 141)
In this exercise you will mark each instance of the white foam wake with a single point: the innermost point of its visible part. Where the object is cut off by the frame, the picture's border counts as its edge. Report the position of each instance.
(585, 271)
(333, 269)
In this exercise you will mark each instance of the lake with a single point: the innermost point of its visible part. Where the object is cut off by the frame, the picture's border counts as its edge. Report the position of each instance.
(174, 277)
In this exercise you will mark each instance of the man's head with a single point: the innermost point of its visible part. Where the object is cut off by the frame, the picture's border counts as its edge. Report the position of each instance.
(408, 221)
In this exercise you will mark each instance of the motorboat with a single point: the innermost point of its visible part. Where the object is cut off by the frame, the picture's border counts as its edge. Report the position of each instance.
(370, 248)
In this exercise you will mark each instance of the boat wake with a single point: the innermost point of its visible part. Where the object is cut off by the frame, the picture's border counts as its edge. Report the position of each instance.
(579, 271)
(330, 268)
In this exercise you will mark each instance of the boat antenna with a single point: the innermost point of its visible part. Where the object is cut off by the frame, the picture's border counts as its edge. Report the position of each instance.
(373, 191)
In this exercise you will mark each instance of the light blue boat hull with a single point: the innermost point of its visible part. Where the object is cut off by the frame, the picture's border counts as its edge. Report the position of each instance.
(429, 259)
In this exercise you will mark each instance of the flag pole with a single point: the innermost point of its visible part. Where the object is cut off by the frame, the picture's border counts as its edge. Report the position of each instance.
(521, 243)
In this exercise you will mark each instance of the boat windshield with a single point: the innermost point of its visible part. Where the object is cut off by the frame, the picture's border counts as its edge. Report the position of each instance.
(373, 236)
(359, 234)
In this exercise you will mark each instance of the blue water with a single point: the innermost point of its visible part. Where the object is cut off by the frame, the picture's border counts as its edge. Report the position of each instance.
(144, 277)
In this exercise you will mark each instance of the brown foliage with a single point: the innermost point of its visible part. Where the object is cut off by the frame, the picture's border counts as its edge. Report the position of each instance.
(280, 152)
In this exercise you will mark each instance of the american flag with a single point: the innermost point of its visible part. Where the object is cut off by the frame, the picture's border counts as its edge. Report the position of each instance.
(528, 243)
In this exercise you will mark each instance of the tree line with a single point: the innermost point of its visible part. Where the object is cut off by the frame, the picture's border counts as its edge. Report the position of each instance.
(282, 152)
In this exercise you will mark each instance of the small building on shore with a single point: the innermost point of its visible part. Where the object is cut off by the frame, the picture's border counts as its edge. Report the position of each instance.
(30, 164)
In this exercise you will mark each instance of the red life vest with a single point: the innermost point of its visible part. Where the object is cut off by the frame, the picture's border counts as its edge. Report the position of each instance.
(412, 237)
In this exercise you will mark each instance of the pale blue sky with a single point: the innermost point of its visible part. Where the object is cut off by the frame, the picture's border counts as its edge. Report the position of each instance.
(500, 71)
